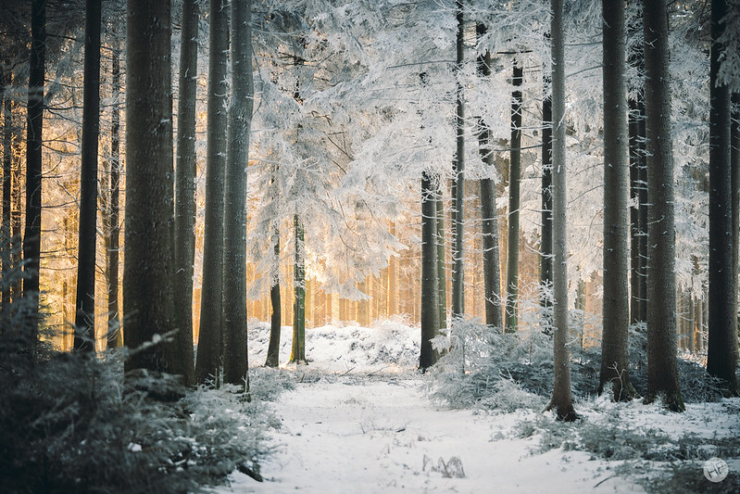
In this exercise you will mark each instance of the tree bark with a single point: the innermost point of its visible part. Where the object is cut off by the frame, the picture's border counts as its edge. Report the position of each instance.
(616, 302)
(298, 351)
(185, 187)
(489, 220)
(661, 316)
(429, 289)
(7, 186)
(34, 153)
(441, 258)
(546, 265)
(722, 351)
(458, 184)
(273, 349)
(638, 230)
(149, 269)
(85, 300)
(561, 401)
(210, 342)
(515, 173)
(235, 209)
(115, 338)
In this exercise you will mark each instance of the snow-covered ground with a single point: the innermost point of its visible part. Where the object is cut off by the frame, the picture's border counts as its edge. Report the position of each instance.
(360, 420)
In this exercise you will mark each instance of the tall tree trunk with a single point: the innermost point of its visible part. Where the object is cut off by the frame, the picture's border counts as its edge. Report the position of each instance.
(722, 345)
(185, 187)
(661, 317)
(489, 220)
(561, 401)
(638, 185)
(5, 236)
(546, 266)
(85, 300)
(298, 352)
(115, 339)
(210, 341)
(441, 264)
(429, 289)
(616, 302)
(642, 194)
(515, 173)
(235, 209)
(458, 181)
(636, 231)
(149, 268)
(735, 165)
(273, 349)
(393, 279)
(34, 152)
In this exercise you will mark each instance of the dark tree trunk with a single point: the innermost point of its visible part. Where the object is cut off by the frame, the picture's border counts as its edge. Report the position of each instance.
(5, 236)
(489, 220)
(546, 235)
(115, 336)
(661, 316)
(298, 352)
(185, 188)
(273, 349)
(616, 302)
(34, 151)
(149, 268)
(735, 165)
(458, 184)
(210, 342)
(235, 209)
(561, 401)
(429, 288)
(638, 213)
(515, 173)
(85, 301)
(722, 345)
(441, 264)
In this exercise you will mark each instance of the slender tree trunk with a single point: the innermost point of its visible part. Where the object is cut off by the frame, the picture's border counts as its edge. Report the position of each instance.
(636, 294)
(515, 172)
(489, 220)
(458, 184)
(638, 187)
(661, 317)
(546, 266)
(273, 349)
(16, 221)
(298, 352)
(561, 401)
(722, 351)
(85, 300)
(115, 338)
(235, 210)
(5, 236)
(393, 279)
(149, 268)
(735, 165)
(34, 152)
(429, 289)
(616, 302)
(185, 188)
(210, 343)
(441, 264)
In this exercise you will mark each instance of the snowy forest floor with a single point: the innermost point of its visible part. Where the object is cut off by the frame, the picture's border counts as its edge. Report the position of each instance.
(360, 419)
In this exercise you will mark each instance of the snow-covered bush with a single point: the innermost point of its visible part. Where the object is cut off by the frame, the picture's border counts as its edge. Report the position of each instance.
(72, 423)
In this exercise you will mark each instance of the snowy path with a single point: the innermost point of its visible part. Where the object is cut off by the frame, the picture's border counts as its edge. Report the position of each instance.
(350, 435)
